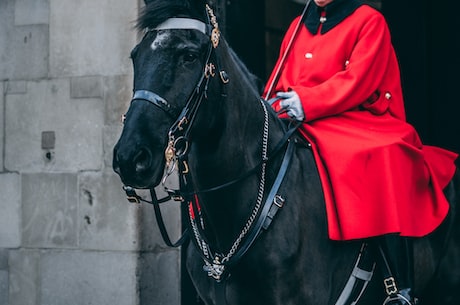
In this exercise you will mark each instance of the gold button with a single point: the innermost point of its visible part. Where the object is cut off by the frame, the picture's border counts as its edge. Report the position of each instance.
(388, 95)
(308, 55)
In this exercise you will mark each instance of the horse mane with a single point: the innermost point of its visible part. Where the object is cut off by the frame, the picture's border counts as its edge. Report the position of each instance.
(156, 12)
(255, 82)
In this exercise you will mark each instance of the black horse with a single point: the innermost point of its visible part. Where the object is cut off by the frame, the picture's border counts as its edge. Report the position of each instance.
(241, 167)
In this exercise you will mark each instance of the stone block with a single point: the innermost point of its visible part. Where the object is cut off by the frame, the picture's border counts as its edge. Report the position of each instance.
(29, 12)
(10, 207)
(81, 278)
(4, 259)
(4, 287)
(6, 24)
(50, 210)
(111, 135)
(86, 87)
(159, 278)
(24, 277)
(107, 220)
(47, 106)
(25, 52)
(7, 12)
(16, 87)
(118, 93)
(2, 130)
(90, 37)
(4, 276)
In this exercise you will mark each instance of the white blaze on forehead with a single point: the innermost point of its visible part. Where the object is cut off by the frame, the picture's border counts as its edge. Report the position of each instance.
(162, 36)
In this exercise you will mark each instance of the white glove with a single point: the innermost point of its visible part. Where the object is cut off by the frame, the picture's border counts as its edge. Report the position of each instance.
(291, 103)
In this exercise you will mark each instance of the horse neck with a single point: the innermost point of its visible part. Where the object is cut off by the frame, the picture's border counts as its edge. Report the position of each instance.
(232, 151)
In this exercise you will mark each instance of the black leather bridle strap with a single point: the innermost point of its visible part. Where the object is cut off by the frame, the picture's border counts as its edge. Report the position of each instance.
(161, 224)
(275, 152)
(135, 198)
(292, 39)
(154, 99)
(267, 212)
(183, 124)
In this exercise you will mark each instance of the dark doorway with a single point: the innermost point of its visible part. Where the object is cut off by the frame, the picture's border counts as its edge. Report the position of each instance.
(425, 36)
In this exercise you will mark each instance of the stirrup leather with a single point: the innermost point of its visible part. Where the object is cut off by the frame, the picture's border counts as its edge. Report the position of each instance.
(395, 294)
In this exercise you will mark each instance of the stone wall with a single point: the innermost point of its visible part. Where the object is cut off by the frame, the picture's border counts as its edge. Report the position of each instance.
(67, 233)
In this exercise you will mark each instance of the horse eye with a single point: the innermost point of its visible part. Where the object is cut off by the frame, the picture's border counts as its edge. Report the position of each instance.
(190, 57)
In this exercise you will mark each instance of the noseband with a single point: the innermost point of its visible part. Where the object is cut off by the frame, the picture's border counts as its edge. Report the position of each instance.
(154, 99)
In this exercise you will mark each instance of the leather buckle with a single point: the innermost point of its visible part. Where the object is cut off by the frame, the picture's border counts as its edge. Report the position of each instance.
(390, 286)
(131, 194)
(279, 201)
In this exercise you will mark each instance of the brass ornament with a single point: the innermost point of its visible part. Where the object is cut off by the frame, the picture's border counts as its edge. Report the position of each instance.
(215, 34)
(210, 70)
(170, 153)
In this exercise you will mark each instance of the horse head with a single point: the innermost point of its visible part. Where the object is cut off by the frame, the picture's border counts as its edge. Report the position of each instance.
(171, 73)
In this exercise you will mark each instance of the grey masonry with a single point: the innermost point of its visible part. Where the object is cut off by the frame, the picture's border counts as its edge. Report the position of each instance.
(67, 233)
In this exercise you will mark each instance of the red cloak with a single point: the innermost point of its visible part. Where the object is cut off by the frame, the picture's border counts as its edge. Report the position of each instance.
(377, 176)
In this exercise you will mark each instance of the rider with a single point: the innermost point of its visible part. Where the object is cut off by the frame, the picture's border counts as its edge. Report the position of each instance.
(341, 79)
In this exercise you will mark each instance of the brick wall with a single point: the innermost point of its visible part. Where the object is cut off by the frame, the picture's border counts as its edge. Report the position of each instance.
(67, 233)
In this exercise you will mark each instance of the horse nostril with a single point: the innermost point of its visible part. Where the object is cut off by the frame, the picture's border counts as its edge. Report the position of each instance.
(143, 160)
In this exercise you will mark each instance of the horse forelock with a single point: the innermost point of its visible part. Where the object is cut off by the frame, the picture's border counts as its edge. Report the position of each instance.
(158, 11)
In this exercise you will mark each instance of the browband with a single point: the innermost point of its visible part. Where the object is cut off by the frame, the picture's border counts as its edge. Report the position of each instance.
(185, 24)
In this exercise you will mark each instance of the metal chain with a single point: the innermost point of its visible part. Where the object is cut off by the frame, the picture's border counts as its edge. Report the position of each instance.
(220, 260)
(260, 195)
(197, 235)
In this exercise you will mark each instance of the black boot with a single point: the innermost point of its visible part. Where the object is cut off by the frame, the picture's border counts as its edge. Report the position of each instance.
(397, 266)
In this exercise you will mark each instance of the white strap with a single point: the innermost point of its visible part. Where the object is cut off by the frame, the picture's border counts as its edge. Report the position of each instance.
(184, 24)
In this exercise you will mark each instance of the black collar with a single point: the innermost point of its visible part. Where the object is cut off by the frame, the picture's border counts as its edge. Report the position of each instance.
(336, 11)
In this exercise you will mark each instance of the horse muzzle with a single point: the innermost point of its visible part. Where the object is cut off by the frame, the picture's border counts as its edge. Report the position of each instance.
(135, 166)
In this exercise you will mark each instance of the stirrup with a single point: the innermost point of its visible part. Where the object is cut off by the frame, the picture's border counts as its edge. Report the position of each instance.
(399, 298)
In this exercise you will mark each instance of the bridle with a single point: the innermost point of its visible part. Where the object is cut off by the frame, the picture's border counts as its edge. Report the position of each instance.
(179, 132)
(185, 119)
(176, 155)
